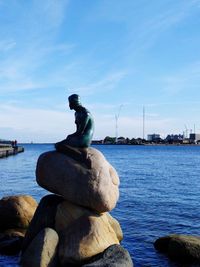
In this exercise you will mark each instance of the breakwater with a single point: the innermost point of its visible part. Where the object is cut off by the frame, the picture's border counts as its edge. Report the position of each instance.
(9, 151)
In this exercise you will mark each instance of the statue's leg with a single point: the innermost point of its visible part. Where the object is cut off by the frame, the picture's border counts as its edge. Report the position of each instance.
(78, 154)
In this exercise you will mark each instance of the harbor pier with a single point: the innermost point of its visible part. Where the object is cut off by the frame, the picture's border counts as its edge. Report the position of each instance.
(9, 151)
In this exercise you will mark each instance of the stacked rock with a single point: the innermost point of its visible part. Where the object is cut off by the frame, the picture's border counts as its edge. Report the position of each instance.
(16, 212)
(73, 226)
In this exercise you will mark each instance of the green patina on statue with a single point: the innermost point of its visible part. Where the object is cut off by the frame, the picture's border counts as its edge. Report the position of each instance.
(84, 124)
(76, 144)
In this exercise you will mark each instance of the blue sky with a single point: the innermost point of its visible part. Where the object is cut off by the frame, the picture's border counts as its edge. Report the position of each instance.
(133, 53)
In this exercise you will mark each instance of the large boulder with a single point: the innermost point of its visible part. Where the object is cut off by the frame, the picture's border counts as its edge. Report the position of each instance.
(116, 226)
(94, 187)
(67, 213)
(42, 251)
(16, 211)
(44, 217)
(85, 238)
(184, 248)
(113, 256)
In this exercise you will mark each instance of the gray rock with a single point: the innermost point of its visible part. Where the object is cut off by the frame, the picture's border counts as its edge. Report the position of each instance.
(43, 217)
(113, 256)
(42, 251)
(94, 187)
(183, 248)
(11, 242)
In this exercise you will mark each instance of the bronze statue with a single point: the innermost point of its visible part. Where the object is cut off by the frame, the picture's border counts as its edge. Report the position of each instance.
(75, 144)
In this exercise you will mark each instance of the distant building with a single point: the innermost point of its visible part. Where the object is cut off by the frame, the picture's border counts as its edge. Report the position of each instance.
(153, 137)
(174, 138)
(194, 137)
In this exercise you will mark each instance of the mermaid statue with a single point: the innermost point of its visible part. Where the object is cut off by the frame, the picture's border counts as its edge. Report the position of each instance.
(76, 144)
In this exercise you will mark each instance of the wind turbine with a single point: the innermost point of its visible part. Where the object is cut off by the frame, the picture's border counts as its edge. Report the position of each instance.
(116, 123)
(186, 131)
(143, 128)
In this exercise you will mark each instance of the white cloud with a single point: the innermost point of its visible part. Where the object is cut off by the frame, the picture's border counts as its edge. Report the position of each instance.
(6, 45)
(149, 30)
(37, 123)
(108, 82)
(187, 78)
(54, 10)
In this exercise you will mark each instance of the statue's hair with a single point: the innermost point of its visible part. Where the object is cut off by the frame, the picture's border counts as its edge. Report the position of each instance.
(74, 99)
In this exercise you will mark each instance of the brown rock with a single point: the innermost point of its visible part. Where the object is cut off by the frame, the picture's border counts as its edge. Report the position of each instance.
(67, 213)
(16, 211)
(95, 187)
(86, 237)
(184, 248)
(116, 227)
(44, 217)
(42, 250)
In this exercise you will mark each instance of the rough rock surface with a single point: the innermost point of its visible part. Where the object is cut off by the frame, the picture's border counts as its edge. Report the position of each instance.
(16, 211)
(113, 256)
(95, 187)
(86, 237)
(183, 248)
(44, 217)
(116, 227)
(42, 251)
(67, 213)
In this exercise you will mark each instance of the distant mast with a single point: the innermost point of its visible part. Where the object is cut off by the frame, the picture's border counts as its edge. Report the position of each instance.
(143, 122)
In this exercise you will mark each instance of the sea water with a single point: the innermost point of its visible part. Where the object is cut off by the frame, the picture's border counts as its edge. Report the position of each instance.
(159, 193)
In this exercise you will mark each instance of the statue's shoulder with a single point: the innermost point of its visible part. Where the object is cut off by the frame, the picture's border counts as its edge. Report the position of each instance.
(85, 111)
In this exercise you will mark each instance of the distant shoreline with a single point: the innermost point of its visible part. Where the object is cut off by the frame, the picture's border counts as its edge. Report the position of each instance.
(104, 144)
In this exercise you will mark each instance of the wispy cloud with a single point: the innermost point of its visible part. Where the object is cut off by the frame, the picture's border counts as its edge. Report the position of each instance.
(20, 70)
(186, 79)
(30, 122)
(106, 83)
(153, 27)
(6, 45)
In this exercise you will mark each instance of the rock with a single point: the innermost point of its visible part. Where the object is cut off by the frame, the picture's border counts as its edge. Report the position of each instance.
(116, 227)
(95, 187)
(44, 217)
(16, 211)
(42, 251)
(113, 256)
(184, 248)
(67, 213)
(86, 237)
(14, 232)
(11, 241)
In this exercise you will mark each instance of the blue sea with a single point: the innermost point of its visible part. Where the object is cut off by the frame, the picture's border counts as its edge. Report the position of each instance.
(159, 193)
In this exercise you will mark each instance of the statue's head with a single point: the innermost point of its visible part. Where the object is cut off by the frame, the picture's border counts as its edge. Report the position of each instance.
(74, 101)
